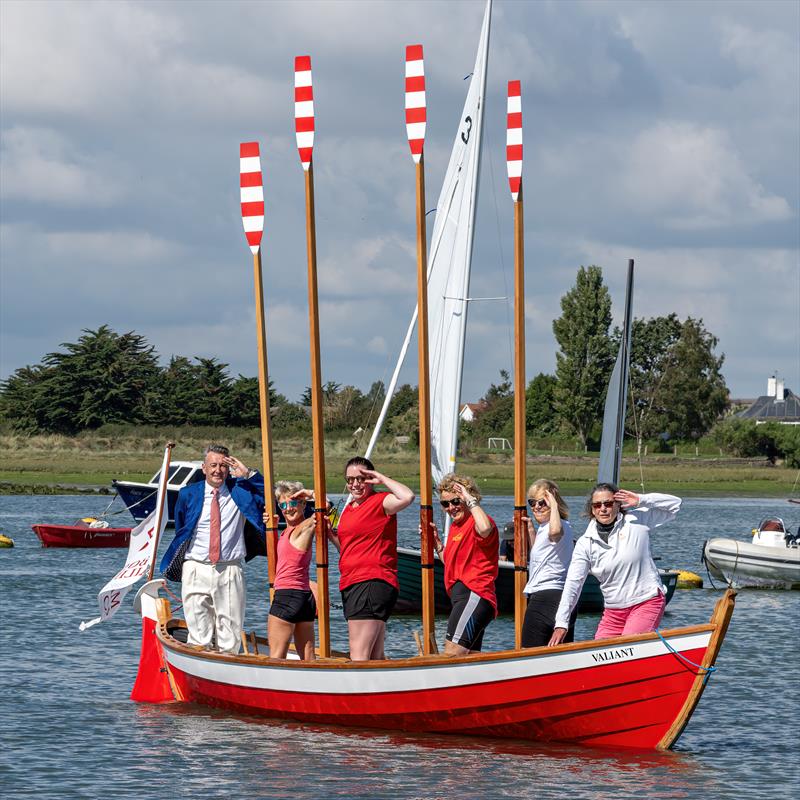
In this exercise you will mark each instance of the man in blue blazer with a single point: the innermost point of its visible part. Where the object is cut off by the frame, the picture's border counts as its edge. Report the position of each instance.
(218, 524)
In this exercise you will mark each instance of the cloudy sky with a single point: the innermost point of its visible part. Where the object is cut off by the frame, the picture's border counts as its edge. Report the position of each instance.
(663, 131)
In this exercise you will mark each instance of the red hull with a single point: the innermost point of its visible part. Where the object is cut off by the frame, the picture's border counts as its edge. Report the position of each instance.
(629, 691)
(619, 705)
(78, 536)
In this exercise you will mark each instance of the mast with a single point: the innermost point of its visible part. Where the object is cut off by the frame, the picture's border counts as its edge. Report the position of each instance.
(608, 468)
(304, 128)
(481, 64)
(252, 198)
(514, 167)
(448, 272)
(415, 128)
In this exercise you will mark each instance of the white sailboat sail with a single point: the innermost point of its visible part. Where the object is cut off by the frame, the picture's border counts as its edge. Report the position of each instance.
(617, 398)
(449, 264)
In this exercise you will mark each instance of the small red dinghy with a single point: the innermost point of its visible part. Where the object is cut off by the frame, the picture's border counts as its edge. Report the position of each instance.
(81, 534)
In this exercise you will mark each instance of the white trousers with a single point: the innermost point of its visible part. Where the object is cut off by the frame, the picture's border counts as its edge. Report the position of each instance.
(213, 603)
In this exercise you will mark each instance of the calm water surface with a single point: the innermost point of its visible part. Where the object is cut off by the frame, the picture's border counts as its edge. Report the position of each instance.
(69, 729)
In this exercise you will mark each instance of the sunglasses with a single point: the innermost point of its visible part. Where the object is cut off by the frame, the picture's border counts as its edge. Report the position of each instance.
(538, 503)
(603, 504)
(288, 504)
(455, 502)
(350, 479)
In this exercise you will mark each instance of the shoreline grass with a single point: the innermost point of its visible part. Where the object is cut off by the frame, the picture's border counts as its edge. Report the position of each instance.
(88, 462)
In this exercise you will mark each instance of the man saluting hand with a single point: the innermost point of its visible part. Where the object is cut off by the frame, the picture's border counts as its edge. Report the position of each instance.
(217, 524)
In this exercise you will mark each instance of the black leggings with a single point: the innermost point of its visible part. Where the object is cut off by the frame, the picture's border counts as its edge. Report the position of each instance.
(540, 618)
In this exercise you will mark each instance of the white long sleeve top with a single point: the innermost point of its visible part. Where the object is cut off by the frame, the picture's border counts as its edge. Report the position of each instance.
(549, 560)
(623, 566)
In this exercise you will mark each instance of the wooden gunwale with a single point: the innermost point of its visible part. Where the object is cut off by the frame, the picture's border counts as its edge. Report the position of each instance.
(720, 619)
(431, 660)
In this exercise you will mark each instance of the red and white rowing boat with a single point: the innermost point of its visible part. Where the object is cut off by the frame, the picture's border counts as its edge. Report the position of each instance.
(632, 691)
(81, 535)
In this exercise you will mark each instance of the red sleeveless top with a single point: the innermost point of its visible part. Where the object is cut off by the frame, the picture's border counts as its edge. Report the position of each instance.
(472, 559)
(368, 543)
(292, 571)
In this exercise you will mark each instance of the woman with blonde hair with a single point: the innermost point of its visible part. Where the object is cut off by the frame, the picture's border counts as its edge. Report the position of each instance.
(470, 564)
(293, 607)
(550, 544)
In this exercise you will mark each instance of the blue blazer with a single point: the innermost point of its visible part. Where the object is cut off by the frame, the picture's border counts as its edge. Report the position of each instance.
(247, 493)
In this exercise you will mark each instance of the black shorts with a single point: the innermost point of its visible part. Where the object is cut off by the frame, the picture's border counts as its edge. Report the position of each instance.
(470, 615)
(373, 599)
(293, 605)
(540, 619)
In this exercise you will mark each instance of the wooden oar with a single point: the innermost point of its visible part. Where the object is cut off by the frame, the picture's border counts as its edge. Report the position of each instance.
(415, 128)
(304, 129)
(252, 197)
(161, 501)
(514, 166)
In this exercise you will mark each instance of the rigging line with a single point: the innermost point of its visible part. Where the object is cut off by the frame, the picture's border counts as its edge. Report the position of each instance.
(509, 326)
(706, 670)
(363, 433)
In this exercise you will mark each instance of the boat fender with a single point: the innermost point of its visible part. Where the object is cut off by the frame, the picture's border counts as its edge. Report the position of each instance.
(689, 580)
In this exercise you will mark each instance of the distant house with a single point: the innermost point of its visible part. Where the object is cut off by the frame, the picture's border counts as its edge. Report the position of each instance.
(777, 405)
(469, 411)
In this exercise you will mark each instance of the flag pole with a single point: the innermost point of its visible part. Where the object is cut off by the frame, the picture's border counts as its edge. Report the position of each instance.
(416, 113)
(252, 198)
(162, 496)
(514, 166)
(304, 128)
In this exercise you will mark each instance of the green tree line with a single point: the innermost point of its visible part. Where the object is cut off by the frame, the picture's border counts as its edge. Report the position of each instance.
(676, 389)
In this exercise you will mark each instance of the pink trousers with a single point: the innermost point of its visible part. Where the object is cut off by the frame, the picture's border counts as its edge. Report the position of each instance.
(641, 618)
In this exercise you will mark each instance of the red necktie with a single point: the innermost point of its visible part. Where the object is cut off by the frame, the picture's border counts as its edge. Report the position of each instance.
(215, 541)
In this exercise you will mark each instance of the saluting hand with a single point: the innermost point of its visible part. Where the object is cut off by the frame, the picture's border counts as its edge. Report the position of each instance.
(627, 499)
(237, 469)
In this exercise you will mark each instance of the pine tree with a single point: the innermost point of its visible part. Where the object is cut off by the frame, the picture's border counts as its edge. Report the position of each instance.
(584, 361)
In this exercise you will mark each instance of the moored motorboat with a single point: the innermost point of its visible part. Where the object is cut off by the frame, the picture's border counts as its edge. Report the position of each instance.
(410, 592)
(140, 498)
(770, 560)
(82, 534)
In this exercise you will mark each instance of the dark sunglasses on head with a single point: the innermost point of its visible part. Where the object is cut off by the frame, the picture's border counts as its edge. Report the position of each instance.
(603, 504)
(455, 502)
(538, 503)
(288, 504)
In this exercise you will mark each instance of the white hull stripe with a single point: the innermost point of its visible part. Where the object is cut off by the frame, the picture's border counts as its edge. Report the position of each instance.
(378, 680)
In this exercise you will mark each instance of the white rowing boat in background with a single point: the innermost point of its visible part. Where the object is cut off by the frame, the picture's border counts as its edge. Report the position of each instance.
(770, 560)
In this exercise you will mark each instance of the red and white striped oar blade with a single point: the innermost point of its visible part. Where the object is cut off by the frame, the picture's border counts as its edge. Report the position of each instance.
(304, 109)
(514, 138)
(252, 191)
(415, 100)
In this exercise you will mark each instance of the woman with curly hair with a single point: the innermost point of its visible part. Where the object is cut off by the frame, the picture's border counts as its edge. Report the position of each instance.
(470, 564)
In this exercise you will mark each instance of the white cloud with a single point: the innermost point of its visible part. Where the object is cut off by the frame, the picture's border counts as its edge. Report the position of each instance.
(694, 177)
(42, 166)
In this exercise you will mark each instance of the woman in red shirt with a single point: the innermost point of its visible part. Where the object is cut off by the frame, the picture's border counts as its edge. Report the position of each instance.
(367, 542)
(470, 564)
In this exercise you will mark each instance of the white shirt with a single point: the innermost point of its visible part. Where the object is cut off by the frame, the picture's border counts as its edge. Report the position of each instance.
(231, 528)
(623, 566)
(549, 560)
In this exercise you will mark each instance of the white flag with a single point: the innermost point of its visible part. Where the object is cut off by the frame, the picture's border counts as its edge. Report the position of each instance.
(141, 552)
